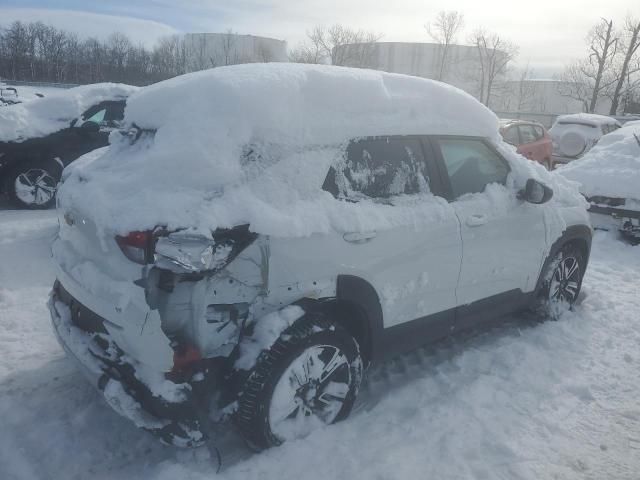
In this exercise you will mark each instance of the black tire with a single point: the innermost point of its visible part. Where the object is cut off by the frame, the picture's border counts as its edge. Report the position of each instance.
(561, 281)
(42, 191)
(312, 331)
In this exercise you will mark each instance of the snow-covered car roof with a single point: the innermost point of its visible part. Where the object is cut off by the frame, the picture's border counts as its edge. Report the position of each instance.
(43, 116)
(586, 119)
(611, 168)
(252, 144)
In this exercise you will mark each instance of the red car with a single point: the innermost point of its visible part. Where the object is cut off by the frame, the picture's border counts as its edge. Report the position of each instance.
(531, 138)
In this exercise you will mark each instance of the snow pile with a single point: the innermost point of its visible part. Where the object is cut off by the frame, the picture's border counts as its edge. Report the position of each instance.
(252, 144)
(611, 168)
(266, 332)
(55, 112)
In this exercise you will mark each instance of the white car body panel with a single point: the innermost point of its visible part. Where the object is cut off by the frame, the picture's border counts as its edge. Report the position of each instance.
(502, 251)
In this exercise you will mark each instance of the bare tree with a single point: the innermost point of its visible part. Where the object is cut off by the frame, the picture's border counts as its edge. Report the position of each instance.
(443, 31)
(630, 63)
(337, 45)
(590, 79)
(526, 93)
(494, 54)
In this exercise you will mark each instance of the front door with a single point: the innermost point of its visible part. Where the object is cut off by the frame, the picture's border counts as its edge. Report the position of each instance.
(503, 238)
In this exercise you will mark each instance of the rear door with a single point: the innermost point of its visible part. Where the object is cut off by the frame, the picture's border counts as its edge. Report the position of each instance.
(412, 264)
(503, 238)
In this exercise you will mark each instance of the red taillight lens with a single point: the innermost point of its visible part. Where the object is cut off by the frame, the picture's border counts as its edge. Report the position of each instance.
(137, 246)
(184, 357)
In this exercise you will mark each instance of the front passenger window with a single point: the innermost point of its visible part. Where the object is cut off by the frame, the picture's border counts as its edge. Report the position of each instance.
(471, 165)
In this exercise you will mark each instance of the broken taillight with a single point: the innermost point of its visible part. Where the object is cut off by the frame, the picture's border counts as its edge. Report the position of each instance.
(137, 246)
(184, 357)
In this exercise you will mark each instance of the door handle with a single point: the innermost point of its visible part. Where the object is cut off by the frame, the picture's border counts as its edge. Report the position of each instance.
(476, 220)
(359, 237)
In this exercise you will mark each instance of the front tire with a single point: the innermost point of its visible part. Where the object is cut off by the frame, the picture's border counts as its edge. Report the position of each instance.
(561, 282)
(308, 378)
(33, 184)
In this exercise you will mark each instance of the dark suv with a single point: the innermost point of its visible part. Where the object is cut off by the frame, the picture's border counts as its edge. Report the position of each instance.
(30, 168)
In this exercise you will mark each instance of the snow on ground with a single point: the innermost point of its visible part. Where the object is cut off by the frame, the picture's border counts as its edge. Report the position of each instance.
(522, 401)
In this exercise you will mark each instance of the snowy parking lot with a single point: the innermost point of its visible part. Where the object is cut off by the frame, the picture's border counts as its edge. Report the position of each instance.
(524, 400)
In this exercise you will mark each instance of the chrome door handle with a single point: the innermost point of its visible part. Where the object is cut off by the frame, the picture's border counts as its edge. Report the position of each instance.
(359, 237)
(476, 220)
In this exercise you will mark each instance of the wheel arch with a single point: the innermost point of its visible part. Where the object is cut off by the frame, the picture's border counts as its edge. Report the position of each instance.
(357, 308)
(578, 235)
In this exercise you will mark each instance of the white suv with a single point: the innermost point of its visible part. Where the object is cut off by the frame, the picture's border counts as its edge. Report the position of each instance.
(574, 135)
(339, 229)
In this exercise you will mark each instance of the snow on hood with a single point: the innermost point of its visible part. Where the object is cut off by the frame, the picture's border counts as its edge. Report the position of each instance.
(611, 168)
(292, 120)
(43, 116)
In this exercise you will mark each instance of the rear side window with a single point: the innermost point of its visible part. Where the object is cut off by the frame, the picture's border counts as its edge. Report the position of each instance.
(539, 132)
(471, 165)
(510, 135)
(381, 167)
(108, 113)
(528, 133)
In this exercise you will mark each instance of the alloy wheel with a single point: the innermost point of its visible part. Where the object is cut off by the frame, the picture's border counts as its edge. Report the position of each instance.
(310, 393)
(565, 282)
(35, 187)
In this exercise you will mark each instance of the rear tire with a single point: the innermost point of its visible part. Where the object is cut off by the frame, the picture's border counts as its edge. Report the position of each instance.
(33, 184)
(561, 282)
(308, 378)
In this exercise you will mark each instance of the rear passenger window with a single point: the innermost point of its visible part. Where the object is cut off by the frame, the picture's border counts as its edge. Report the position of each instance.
(471, 165)
(527, 133)
(539, 132)
(380, 168)
(511, 136)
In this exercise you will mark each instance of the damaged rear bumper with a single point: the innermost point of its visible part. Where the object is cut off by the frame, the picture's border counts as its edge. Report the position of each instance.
(170, 413)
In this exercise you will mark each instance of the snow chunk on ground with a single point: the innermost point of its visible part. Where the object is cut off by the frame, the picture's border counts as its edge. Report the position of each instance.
(252, 144)
(611, 168)
(265, 334)
(43, 116)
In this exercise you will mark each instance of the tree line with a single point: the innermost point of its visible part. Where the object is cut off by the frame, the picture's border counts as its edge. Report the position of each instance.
(38, 52)
(611, 68)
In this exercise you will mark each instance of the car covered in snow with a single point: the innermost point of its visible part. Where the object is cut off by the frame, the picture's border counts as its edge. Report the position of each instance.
(609, 177)
(253, 245)
(38, 138)
(531, 140)
(574, 135)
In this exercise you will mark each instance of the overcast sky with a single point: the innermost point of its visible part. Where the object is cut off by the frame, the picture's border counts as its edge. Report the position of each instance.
(548, 32)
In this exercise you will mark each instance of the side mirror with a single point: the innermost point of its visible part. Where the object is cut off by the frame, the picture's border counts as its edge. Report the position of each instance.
(535, 192)
(90, 127)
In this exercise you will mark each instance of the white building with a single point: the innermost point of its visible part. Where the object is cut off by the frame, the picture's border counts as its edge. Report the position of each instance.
(461, 69)
(207, 50)
(543, 96)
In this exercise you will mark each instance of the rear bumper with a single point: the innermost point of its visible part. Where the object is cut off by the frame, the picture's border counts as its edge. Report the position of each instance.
(626, 221)
(162, 407)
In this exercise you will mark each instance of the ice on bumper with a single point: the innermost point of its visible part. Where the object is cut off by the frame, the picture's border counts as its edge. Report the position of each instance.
(127, 386)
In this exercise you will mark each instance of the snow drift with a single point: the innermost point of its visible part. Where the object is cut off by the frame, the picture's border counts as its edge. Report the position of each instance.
(611, 168)
(37, 118)
(251, 144)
